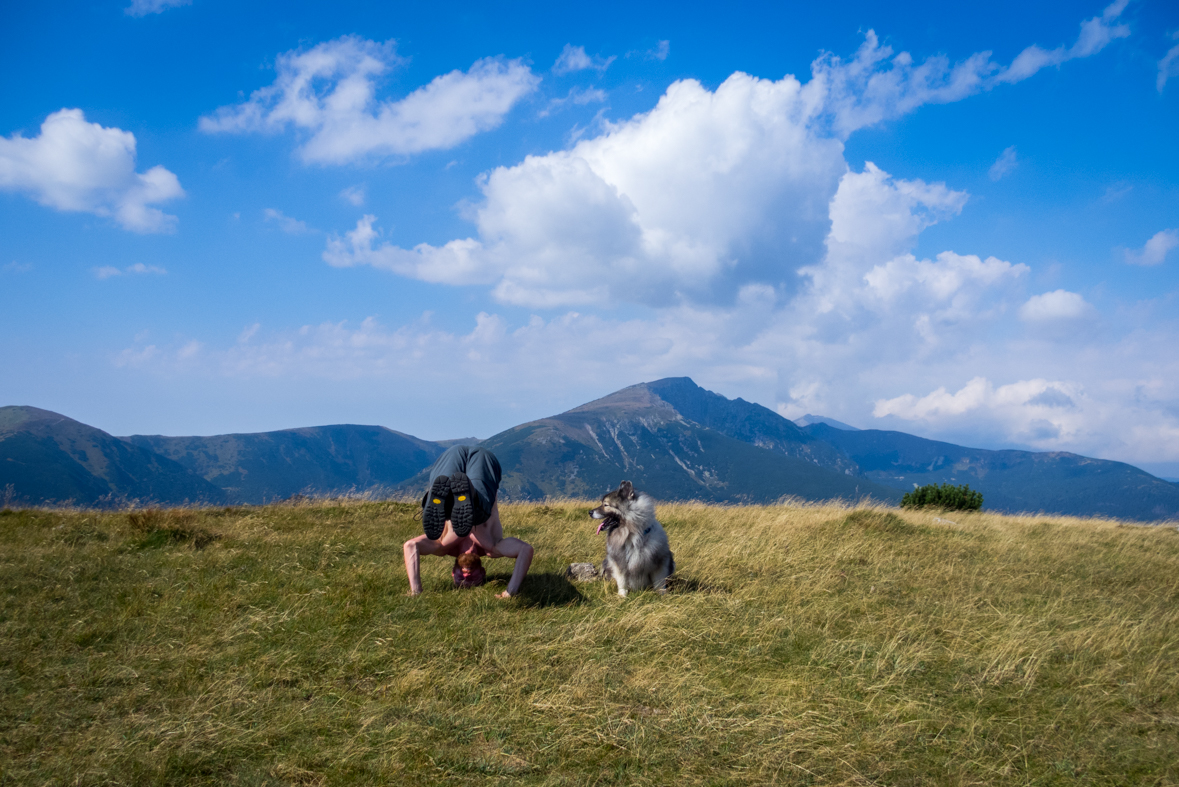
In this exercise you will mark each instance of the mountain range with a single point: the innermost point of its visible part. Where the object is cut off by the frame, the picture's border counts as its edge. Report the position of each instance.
(670, 437)
(256, 468)
(46, 457)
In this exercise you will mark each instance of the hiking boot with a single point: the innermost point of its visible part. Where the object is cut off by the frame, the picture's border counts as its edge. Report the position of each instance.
(462, 515)
(437, 508)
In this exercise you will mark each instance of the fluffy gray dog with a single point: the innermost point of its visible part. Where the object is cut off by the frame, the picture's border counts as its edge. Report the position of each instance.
(637, 552)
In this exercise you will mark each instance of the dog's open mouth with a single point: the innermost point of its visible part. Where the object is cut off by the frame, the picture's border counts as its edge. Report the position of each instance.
(608, 522)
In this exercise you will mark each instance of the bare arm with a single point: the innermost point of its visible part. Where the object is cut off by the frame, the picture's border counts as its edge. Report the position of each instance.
(514, 547)
(412, 565)
(416, 547)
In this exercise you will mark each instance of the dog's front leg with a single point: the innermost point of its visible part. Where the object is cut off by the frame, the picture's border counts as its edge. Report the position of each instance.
(621, 579)
(659, 579)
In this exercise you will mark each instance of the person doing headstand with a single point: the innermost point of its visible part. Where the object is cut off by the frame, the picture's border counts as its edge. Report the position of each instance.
(461, 518)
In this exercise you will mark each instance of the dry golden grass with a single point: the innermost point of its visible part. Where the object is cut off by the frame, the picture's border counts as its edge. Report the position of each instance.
(799, 645)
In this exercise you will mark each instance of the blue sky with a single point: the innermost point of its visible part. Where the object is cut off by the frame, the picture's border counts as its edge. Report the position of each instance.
(960, 223)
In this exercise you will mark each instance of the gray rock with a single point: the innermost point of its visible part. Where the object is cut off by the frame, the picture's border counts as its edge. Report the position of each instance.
(581, 572)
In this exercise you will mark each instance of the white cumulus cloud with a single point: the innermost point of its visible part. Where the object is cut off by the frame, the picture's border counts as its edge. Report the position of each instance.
(869, 277)
(1056, 305)
(704, 194)
(329, 93)
(1032, 410)
(73, 165)
(1155, 250)
(654, 208)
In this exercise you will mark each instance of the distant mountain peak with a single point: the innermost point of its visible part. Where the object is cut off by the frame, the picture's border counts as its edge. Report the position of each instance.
(631, 398)
(809, 419)
(22, 416)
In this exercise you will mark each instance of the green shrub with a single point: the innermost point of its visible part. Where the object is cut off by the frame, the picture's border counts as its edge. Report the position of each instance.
(947, 496)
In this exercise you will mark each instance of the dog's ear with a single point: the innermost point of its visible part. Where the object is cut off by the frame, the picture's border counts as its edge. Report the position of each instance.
(627, 490)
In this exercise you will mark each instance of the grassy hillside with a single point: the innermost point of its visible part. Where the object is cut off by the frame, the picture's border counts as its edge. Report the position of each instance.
(815, 645)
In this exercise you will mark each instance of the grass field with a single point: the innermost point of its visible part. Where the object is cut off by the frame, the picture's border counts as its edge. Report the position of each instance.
(799, 645)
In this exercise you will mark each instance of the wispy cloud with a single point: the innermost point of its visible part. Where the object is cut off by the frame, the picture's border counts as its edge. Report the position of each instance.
(1114, 192)
(1169, 64)
(578, 96)
(875, 85)
(574, 58)
(286, 223)
(145, 7)
(17, 267)
(73, 165)
(1004, 164)
(354, 194)
(660, 52)
(109, 271)
(329, 92)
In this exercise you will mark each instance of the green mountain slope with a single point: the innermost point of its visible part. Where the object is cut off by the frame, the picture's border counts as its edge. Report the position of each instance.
(637, 435)
(1056, 482)
(267, 466)
(748, 422)
(47, 458)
